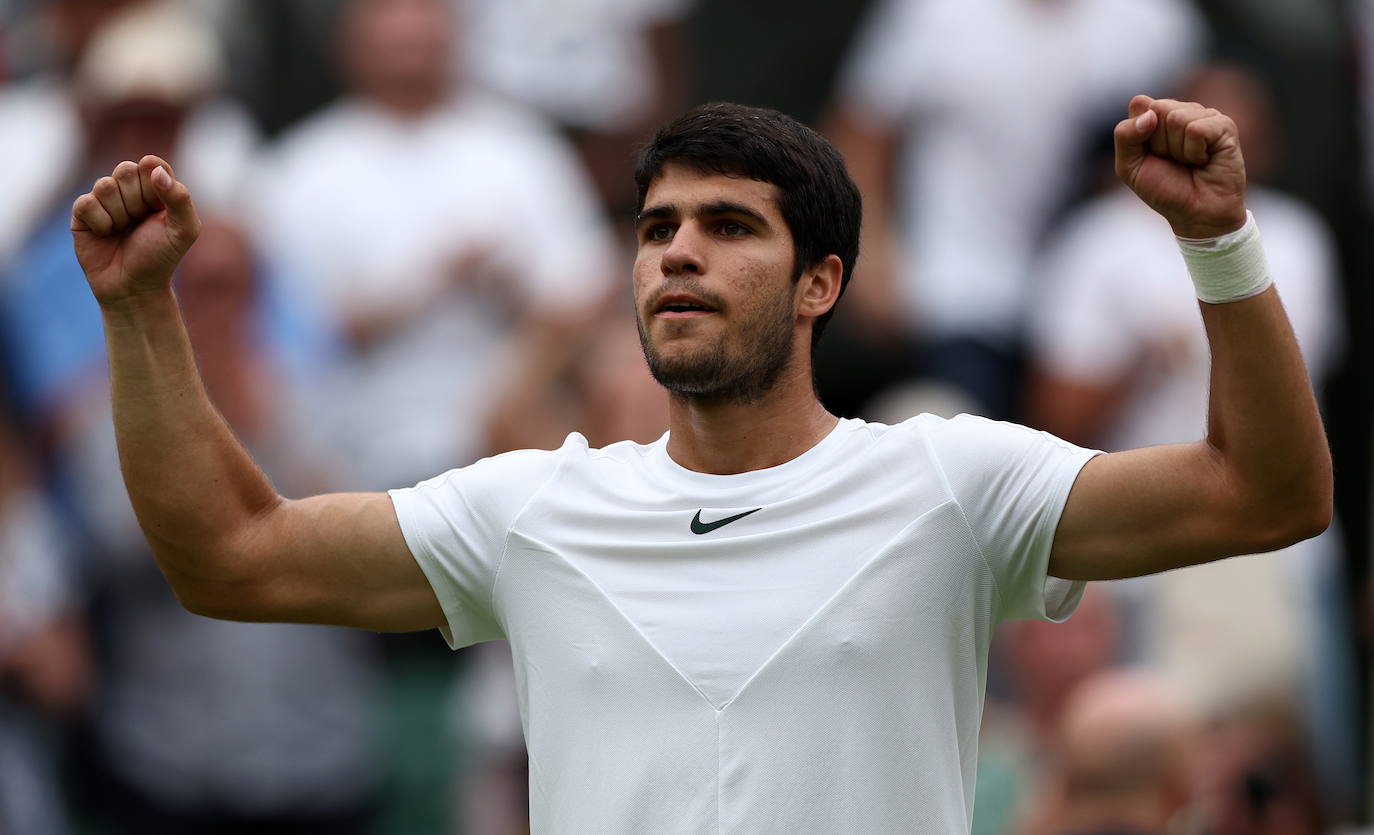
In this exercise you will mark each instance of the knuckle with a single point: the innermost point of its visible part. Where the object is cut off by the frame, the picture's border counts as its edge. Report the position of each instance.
(105, 187)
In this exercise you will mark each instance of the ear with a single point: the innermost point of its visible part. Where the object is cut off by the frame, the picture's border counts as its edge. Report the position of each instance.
(819, 286)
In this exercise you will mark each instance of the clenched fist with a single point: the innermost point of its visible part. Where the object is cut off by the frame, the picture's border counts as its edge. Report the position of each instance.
(1184, 161)
(132, 229)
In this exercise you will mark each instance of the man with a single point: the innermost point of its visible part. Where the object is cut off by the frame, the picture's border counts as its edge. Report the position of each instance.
(769, 620)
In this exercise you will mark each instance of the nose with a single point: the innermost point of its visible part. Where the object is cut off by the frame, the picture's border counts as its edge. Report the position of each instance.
(685, 253)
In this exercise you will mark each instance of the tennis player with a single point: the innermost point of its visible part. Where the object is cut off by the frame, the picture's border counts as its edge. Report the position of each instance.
(770, 620)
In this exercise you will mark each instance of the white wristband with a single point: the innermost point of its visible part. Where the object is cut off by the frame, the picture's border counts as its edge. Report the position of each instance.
(1228, 268)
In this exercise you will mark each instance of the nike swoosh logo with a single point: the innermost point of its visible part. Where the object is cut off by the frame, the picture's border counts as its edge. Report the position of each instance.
(699, 526)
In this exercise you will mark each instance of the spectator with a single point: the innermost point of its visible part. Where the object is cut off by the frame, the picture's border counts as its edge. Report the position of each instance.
(477, 244)
(935, 91)
(1123, 761)
(139, 85)
(607, 71)
(46, 115)
(44, 655)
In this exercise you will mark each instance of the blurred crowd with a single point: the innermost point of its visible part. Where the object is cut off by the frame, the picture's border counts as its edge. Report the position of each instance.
(416, 253)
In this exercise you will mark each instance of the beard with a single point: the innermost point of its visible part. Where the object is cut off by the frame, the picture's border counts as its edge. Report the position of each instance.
(717, 374)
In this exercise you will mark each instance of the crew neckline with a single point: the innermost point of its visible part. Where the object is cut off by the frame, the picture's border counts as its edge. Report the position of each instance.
(818, 454)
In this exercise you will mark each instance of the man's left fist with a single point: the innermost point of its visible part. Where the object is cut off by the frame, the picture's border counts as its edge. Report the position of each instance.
(1184, 161)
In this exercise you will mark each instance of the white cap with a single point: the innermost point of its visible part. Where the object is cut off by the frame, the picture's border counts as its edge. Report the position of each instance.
(157, 50)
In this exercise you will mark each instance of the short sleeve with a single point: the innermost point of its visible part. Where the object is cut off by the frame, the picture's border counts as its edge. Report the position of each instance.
(1011, 484)
(456, 526)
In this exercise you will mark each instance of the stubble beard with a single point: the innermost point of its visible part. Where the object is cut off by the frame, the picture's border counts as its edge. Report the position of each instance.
(714, 374)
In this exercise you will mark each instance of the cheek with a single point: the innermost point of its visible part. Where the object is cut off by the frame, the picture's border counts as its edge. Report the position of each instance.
(641, 274)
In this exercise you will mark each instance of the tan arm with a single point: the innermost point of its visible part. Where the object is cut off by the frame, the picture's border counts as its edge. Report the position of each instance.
(230, 546)
(1261, 477)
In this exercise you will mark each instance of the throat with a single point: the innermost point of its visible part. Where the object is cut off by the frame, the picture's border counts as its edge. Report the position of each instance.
(728, 439)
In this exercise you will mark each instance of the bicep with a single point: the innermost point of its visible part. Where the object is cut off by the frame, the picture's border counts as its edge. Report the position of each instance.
(1148, 510)
(336, 559)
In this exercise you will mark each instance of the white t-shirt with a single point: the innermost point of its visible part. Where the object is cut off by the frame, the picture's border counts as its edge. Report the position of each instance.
(795, 649)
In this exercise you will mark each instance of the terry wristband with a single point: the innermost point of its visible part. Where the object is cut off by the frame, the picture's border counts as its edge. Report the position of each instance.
(1228, 268)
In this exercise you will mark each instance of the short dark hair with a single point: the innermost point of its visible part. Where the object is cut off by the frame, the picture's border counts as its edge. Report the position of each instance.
(819, 201)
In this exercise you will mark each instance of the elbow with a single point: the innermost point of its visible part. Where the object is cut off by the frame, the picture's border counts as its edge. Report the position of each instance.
(1299, 515)
(224, 602)
(209, 602)
(228, 592)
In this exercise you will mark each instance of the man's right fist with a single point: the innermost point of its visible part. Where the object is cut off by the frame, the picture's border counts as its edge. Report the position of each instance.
(132, 228)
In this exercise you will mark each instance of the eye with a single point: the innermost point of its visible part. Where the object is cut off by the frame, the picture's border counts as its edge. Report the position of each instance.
(732, 229)
(658, 232)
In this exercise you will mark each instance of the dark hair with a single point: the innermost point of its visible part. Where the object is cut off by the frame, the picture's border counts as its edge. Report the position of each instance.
(819, 202)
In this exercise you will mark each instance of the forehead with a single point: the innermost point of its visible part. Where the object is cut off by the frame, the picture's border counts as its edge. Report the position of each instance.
(684, 188)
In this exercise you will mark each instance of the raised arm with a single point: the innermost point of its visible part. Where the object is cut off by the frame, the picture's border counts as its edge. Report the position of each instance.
(230, 546)
(1260, 479)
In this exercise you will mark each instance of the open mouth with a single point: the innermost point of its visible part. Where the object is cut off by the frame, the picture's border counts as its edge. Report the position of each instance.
(682, 307)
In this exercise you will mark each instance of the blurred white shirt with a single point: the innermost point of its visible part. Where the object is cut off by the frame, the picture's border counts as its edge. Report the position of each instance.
(992, 99)
(585, 63)
(367, 211)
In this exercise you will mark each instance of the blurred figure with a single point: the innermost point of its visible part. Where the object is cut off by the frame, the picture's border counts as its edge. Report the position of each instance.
(138, 85)
(46, 115)
(44, 653)
(1123, 762)
(204, 725)
(935, 91)
(607, 71)
(1123, 363)
(476, 251)
(1254, 777)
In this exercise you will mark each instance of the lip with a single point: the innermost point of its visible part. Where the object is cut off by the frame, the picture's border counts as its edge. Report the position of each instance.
(682, 298)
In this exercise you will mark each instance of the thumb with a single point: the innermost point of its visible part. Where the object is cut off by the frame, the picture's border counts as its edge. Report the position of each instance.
(174, 195)
(1132, 136)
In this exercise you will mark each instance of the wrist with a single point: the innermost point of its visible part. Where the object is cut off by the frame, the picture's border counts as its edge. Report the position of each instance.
(1195, 231)
(1228, 267)
(136, 307)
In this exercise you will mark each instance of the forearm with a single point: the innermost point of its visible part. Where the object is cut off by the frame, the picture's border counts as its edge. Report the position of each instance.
(193, 486)
(1263, 422)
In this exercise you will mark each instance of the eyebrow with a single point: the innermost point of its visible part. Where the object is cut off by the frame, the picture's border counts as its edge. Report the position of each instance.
(720, 207)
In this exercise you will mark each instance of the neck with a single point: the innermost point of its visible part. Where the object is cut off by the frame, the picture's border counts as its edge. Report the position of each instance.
(408, 102)
(726, 438)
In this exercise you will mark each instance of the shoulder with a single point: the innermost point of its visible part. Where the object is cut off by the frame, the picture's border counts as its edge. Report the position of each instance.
(973, 443)
(521, 467)
(319, 139)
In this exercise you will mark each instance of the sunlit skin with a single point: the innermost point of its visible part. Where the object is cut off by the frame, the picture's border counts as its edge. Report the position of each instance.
(720, 243)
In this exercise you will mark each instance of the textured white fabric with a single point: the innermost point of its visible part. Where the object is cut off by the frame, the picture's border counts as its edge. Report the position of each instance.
(817, 665)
